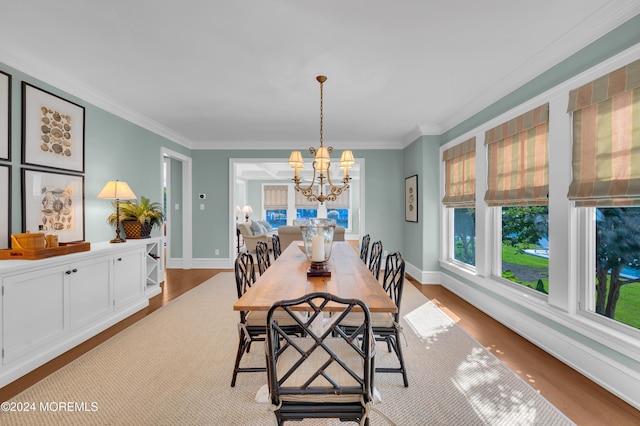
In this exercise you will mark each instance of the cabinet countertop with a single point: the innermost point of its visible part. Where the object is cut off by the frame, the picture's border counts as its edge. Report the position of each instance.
(102, 247)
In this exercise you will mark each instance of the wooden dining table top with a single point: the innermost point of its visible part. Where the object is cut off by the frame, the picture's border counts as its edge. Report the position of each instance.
(287, 279)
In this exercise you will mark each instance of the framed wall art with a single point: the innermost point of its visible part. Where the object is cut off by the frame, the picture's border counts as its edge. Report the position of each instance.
(411, 199)
(5, 207)
(55, 201)
(5, 116)
(52, 130)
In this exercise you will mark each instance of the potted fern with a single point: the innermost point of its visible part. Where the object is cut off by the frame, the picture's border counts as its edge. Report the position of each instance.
(138, 219)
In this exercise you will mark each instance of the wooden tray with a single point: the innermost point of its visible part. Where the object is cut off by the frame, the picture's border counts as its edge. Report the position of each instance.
(63, 248)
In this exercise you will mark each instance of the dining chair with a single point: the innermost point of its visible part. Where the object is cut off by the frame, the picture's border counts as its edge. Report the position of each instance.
(249, 330)
(252, 325)
(364, 248)
(376, 259)
(262, 256)
(275, 246)
(386, 327)
(329, 373)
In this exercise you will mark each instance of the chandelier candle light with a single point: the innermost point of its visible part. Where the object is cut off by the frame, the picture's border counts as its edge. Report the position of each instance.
(321, 164)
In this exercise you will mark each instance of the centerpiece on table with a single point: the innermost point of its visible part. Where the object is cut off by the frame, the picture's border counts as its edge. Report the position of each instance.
(317, 235)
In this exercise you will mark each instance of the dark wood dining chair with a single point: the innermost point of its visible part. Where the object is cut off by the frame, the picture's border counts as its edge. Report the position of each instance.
(275, 246)
(329, 373)
(387, 327)
(249, 330)
(364, 248)
(262, 256)
(253, 325)
(376, 259)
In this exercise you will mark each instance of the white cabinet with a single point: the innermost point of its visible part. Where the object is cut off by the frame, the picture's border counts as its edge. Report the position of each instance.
(90, 293)
(32, 311)
(154, 266)
(50, 305)
(129, 282)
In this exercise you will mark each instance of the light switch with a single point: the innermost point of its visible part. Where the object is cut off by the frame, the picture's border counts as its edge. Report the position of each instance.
(177, 207)
(201, 206)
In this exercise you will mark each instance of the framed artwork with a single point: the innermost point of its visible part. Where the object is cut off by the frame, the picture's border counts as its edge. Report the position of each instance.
(52, 130)
(55, 202)
(5, 209)
(411, 199)
(5, 116)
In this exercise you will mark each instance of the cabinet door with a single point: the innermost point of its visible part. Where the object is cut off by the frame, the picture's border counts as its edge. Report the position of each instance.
(32, 310)
(129, 281)
(90, 295)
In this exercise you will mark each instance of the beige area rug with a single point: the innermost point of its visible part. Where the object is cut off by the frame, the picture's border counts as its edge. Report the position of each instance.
(174, 368)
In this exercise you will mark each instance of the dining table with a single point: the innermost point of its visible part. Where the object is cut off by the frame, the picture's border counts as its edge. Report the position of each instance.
(287, 279)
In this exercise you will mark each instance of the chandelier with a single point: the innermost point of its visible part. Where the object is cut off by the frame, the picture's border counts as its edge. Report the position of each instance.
(321, 164)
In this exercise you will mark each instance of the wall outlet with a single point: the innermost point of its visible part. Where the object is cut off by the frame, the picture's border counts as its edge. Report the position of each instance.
(217, 252)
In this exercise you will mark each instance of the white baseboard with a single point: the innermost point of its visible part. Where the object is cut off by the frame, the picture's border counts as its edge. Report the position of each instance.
(547, 333)
(423, 277)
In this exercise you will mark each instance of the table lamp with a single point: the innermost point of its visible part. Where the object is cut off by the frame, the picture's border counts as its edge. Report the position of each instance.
(116, 190)
(246, 210)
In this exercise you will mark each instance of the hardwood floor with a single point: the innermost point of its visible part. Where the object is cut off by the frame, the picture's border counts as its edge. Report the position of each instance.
(579, 398)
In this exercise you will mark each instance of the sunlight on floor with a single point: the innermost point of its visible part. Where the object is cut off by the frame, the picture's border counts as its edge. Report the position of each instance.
(427, 322)
(488, 392)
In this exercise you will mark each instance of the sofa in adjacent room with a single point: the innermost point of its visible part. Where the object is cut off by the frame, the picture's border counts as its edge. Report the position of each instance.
(254, 231)
(291, 233)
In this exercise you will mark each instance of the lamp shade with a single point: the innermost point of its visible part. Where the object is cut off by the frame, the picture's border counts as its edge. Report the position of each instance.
(116, 190)
(247, 209)
(347, 160)
(295, 160)
(322, 159)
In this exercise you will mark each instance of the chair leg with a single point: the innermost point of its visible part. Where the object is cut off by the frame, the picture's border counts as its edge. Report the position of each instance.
(398, 349)
(241, 349)
(393, 341)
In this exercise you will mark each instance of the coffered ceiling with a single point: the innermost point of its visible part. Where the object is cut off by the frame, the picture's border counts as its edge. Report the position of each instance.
(241, 74)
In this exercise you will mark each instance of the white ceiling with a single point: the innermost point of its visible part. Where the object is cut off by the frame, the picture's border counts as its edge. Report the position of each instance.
(241, 74)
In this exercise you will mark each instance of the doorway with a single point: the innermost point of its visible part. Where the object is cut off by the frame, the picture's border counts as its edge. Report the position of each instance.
(176, 183)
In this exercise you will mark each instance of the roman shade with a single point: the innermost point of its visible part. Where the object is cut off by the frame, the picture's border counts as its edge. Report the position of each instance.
(275, 197)
(517, 157)
(460, 175)
(303, 203)
(341, 202)
(606, 140)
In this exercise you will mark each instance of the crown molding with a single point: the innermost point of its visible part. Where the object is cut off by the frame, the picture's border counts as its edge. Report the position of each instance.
(35, 68)
(597, 25)
(289, 145)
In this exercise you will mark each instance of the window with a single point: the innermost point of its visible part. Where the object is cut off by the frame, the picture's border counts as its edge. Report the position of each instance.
(275, 204)
(340, 208)
(617, 280)
(460, 195)
(306, 213)
(606, 180)
(276, 218)
(518, 183)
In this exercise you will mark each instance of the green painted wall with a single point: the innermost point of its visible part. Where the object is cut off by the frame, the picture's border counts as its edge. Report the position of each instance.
(114, 149)
(421, 243)
(383, 196)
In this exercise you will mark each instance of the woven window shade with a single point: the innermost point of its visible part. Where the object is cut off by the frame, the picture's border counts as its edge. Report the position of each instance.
(518, 166)
(460, 175)
(275, 197)
(606, 140)
(303, 203)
